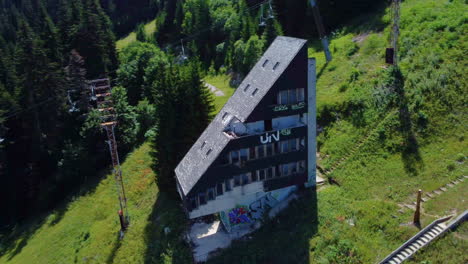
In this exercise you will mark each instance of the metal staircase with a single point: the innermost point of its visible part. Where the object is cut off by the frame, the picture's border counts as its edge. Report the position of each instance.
(423, 238)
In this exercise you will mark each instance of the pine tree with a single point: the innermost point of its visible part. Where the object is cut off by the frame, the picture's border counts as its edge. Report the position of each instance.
(184, 109)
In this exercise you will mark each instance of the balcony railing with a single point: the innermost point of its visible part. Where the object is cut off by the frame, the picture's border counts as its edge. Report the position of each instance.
(282, 130)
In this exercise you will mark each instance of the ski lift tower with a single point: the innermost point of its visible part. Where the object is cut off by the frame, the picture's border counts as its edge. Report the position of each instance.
(321, 29)
(101, 93)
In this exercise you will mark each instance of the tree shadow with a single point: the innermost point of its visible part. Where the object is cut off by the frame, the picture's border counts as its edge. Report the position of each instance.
(410, 153)
(115, 248)
(322, 70)
(284, 239)
(166, 213)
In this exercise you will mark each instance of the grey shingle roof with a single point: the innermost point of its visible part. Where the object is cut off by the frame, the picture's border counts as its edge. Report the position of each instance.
(260, 79)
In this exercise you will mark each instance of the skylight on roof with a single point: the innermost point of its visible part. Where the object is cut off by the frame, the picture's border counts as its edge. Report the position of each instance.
(225, 115)
(203, 144)
(208, 152)
(246, 87)
(276, 66)
(265, 63)
(255, 91)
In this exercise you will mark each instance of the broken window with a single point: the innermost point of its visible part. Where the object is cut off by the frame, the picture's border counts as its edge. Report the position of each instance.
(219, 189)
(237, 180)
(245, 178)
(211, 194)
(228, 185)
(202, 198)
(260, 152)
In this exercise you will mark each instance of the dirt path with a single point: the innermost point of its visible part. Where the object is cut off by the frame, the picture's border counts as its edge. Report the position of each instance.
(214, 90)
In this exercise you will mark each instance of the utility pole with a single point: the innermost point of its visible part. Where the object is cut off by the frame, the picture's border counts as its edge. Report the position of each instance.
(321, 30)
(101, 93)
(417, 212)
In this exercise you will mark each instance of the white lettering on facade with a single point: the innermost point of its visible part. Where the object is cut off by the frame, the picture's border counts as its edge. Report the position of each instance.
(267, 138)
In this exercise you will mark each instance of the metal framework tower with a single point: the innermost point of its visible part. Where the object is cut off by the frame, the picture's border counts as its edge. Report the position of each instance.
(321, 29)
(100, 93)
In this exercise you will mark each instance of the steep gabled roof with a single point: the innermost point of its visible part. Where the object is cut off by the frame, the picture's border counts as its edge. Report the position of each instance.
(247, 96)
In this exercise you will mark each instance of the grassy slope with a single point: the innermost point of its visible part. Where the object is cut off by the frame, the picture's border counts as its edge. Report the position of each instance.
(359, 222)
(85, 229)
(150, 28)
(355, 223)
(222, 83)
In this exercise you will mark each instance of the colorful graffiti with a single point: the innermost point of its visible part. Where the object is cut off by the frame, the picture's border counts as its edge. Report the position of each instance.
(298, 106)
(286, 132)
(279, 108)
(239, 215)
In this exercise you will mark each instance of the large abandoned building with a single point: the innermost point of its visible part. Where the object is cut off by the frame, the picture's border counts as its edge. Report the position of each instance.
(261, 146)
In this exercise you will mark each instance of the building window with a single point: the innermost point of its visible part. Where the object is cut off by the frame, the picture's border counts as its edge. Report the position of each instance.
(283, 97)
(302, 166)
(211, 194)
(270, 150)
(219, 189)
(255, 92)
(302, 142)
(270, 173)
(261, 175)
(293, 167)
(244, 155)
(276, 65)
(254, 176)
(193, 203)
(225, 159)
(237, 180)
(245, 178)
(284, 169)
(235, 157)
(252, 153)
(202, 198)
(284, 146)
(260, 152)
(228, 185)
(293, 96)
(293, 144)
(300, 95)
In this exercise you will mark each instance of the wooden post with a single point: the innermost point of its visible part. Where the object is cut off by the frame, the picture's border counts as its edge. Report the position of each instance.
(417, 213)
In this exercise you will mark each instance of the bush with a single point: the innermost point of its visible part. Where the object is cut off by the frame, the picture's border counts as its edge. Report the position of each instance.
(461, 157)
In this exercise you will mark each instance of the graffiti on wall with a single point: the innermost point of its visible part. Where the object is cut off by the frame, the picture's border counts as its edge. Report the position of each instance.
(298, 106)
(239, 215)
(268, 138)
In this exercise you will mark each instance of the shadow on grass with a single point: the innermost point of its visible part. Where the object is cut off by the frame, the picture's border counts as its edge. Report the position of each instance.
(161, 247)
(15, 238)
(284, 239)
(115, 248)
(410, 153)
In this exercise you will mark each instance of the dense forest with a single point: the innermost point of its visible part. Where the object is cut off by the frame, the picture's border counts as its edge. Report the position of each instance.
(49, 48)
(385, 131)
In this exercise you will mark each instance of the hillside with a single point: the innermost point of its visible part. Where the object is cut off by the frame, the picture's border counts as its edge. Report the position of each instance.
(380, 145)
